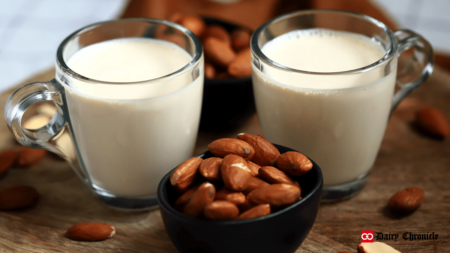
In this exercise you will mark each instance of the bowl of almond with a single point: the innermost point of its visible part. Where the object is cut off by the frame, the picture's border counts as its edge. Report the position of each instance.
(242, 195)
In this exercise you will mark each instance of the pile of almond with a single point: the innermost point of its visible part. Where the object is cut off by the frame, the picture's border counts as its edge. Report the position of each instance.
(227, 54)
(241, 182)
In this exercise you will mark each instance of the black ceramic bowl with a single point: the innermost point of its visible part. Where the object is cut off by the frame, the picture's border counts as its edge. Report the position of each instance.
(226, 102)
(281, 231)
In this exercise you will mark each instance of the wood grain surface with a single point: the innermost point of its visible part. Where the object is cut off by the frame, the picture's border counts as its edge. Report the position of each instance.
(407, 158)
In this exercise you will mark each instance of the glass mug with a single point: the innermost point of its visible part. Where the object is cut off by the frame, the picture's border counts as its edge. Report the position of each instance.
(121, 138)
(339, 128)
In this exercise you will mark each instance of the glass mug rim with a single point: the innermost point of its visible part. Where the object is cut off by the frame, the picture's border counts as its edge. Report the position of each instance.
(61, 63)
(254, 45)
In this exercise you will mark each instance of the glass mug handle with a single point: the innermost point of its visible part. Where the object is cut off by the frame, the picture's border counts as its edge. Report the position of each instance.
(422, 54)
(54, 136)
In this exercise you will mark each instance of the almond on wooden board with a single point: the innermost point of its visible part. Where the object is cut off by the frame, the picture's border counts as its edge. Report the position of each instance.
(294, 163)
(255, 183)
(184, 175)
(30, 156)
(276, 176)
(433, 121)
(257, 211)
(407, 200)
(204, 195)
(210, 168)
(193, 23)
(221, 210)
(240, 38)
(217, 32)
(218, 52)
(210, 71)
(226, 146)
(234, 197)
(18, 198)
(184, 198)
(265, 152)
(7, 159)
(235, 172)
(376, 247)
(90, 231)
(277, 195)
(241, 66)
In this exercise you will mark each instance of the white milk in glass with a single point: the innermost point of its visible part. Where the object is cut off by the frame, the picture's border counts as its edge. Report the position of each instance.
(336, 120)
(130, 135)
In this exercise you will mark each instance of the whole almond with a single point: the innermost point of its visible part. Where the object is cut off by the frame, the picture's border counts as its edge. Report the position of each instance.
(194, 23)
(294, 163)
(184, 198)
(234, 197)
(210, 168)
(235, 172)
(7, 159)
(218, 52)
(407, 200)
(376, 247)
(276, 176)
(240, 38)
(204, 195)
(226, 146)
(221, 210)
(30, 156)
(254, 168)
(433, 121)
(241, 66)
(90, 231)
(184, 175)
(257, 211)
(217, 32)
(210, 71)
(265, 152)
(277, 195)
(18, 198)
(255, 183)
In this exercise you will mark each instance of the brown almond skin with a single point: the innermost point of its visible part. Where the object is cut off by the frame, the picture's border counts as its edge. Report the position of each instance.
(204, 195)
(265, 152)
(407, 201)
(245, 206)
(7, 159)
(241, 66)
(30, 156)
(221, 210)
(210, 168)
(294, 163)
(218, 52)
(210, 71)
(225, 146)
(184, 175)
(433, 121)
(257, 211)
(234, 197)
(277, 195)
(217, 32)
(276, 176)
(90, 231)
(176, 17)
(255, 183)
(240, 38)
(184, 198)
(254, 168)
(194, 23)
(18, 198)
(235, 172)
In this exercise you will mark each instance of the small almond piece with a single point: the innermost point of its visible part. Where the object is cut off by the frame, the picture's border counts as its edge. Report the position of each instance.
(210, 71)
(407, 200)
(276, 176)
(277, 195)
(18, 198)
(265, 152)
(184, 175)
(194, 23)
(255, 183)
(210, 168)
(240, 38)
(234, 197)
(376, 247)
(184, 198)
(30, 156)
(433, 121)
(235, 172)
(202, 196)
(294, 163)
(241, 66)
(257, 211)
(7, 159)
(221, 210)
(90, 231)
(254, 168)
(218, 52)
(226, 146)
(217, 32)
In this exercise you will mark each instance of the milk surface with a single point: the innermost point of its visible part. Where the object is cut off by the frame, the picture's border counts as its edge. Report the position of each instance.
(130, 135)
(337, 120)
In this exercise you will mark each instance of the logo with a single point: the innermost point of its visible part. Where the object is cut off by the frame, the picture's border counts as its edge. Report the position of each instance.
(367, 236)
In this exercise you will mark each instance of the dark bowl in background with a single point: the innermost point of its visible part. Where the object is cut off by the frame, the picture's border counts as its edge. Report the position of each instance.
(281, 232)
(226, 102)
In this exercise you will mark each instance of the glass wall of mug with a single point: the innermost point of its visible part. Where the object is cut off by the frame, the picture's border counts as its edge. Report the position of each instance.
(121, 138)
(337, 118)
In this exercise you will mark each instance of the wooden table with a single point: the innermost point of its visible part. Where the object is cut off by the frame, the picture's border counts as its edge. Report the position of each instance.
(407, 158)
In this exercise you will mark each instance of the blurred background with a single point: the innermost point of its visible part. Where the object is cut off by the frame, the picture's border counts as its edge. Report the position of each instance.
(31, 30)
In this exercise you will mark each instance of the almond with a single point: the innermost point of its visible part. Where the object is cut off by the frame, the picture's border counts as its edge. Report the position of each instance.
(234, 197)
(202, 196)
(184, 198)
(433, 121)
(277, 195)
(376, 247)
(276, 176)
(222, 75)
(210, 71)
(294, 163)
(265, 152)
(221, 210)
(194, 23)
(241, 66)
(218, 52)
(226, 146)
(30, 156)
(90, 231)
(240, 38)
(255, 183)
(254, 168)
(7, 159)
(235, 172)
(407, 200)
(257, 211)
(176, 17)
(184, 174)
(210, 168)
(245, 206)
(18, 198)
(218, 32)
